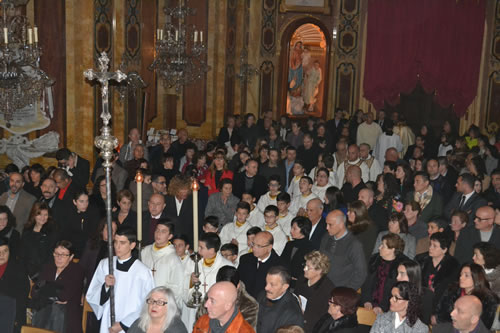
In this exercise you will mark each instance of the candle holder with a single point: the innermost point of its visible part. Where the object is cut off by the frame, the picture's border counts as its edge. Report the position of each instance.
(195, 300)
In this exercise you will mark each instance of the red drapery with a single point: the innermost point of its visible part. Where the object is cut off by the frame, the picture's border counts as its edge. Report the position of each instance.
(435, 42)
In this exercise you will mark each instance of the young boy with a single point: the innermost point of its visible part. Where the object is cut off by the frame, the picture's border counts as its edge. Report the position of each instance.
(250, 237)
(271, 214)
(131, 279)
(298, 173)
(236, 231)
(230, 252)
(285, 217)
(433, 226)
(299, 203)
(255, 216)
(211, 224)
(161, 258)
(270, 197)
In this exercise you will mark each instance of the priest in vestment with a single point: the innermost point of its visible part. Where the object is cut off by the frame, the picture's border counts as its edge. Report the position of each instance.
(162, 260)
(131, 279)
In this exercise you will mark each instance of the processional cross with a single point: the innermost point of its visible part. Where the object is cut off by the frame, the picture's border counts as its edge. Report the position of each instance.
(106, 142)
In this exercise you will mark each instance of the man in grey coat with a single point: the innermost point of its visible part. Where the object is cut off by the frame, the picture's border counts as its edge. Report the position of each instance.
(18, 200)
(347, 259)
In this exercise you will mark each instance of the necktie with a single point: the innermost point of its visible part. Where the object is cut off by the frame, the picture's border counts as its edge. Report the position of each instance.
(259, 263)
(462, 202)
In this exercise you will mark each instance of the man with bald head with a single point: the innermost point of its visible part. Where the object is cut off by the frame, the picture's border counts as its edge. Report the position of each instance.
(156, 211)
(391, 154)
(376, 212)
(466, 317)
(353, 185)
(347, 259)
(222, 313)
(314, 210)
(18, 200)
(483, 230)
(254, 266)
(353, 158)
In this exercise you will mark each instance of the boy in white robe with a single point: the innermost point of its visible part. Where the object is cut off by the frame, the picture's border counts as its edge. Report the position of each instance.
(255, 217)
(211, 224)
(285, 217)
(131, 281)
(236, 232)
(299, 203)
(270, 197)
(230, 252)
(210, 263)
(271, 217)
(163, 261)
(298, 173)
(181, 245)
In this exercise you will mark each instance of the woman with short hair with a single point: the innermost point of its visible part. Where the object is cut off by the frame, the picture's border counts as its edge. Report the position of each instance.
(159, 314)
(398, 225)
(404, 308)
(341, 316)
(315, 287)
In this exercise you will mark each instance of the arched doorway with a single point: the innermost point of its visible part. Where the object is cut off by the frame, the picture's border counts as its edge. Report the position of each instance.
(304, 68)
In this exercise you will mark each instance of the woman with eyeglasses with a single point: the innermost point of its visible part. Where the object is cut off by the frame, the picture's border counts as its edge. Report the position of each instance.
(403, 314)
(315, 287)
(61, 283)
(159, 314)
(341, 316)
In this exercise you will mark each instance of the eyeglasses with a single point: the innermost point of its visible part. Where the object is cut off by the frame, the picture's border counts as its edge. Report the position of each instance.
(151, 301)
(396, 298)
(481, 219)
(61, 255)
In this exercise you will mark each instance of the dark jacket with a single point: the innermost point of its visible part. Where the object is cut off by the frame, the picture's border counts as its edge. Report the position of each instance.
(448, 328)
(470, 206)
(318, 233)
(224, 135)
(259, 186)
(492, 197)
(470, 236)
(345, 324)
(81, 173)
(176, 326)
(36, 249)
(148, 229)
(292, 257)
(308, 156)
(14, 283)
(249, 135)
(367, 238)
(279, 313)
(379, 216)
(372, 281)
(447, 272)
(184, 220)
(14, 239)
(79, 226)
(317, 297)
(69, 284)
(434, 207)
(253, 277)
(445, 305)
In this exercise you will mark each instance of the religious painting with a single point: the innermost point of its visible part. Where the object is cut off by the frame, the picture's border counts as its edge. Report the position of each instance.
(306, 71)
(308, 6)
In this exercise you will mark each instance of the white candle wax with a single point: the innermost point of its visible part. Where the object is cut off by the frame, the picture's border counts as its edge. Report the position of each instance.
(139, 211)
(195, 217)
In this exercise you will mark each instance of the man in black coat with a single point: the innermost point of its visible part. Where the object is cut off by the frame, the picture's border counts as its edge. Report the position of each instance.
(308, 152)
(179, 208)
(447, 171)
(492, 194)
(336, 124)
(249, 181)
(63, 205)
(277, 306)
(314, 211)
(77, 167)
(377, 213)
(253, 267)
(465, 199)
(384, 122)
(156, 211)
(484, 230)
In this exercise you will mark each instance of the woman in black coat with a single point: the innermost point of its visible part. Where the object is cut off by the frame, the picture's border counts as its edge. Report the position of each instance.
(8, 229)
(39, 237)
(382, 274)
(14, 286)
(124, 215)
(341, 316)
(98, 197)
(65, 276)
(315, 287)
(292, 256)
(472, 281)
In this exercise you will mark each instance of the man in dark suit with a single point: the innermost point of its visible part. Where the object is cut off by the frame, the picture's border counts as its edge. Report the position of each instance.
(384, 122)
(179, 208)
(67, 189)
(254, 266)
(424, 195)
(447, 171)
(353, 184)
(483, 230)
(492, 194)
(377, 214)
(77, 167)
(18, 200)
(465, 199)
(308, 152)
(156, 211)
(438, 182)
(249, 181)
(314, 211)
(287, 166)
(336, 124)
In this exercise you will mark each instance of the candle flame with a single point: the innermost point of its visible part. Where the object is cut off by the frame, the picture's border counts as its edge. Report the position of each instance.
(195, 186)
(139, 178)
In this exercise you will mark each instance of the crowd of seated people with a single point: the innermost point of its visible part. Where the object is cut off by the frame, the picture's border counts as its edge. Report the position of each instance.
(304, 227)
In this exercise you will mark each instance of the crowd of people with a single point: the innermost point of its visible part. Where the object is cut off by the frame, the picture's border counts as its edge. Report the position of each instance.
(303, 225)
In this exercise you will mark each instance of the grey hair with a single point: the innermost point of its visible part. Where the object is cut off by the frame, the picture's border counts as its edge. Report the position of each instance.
(172, 310)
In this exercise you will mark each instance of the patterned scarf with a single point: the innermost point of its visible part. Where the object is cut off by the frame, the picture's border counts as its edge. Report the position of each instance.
(424, 198)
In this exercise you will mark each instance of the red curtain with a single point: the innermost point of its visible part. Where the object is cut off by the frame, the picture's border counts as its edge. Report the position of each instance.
(435, 42)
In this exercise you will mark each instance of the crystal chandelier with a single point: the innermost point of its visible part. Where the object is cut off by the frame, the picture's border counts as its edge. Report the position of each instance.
(22, 82)
(180, 50)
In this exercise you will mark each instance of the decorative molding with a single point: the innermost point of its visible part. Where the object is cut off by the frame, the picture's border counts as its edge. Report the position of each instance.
(229, 73)
(268, 28)
(266, 86)
(133, 31)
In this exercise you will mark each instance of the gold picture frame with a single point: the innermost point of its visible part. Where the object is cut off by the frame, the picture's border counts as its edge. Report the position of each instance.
(308, 6)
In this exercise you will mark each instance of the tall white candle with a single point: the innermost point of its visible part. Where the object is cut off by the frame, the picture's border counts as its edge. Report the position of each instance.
(195, 215)
(176, 35)
(30, 36)
(195, 36)
(161, 34)
(35, 32)
(5, 35)
(201, 36)
(157, 34)
(139, 179)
